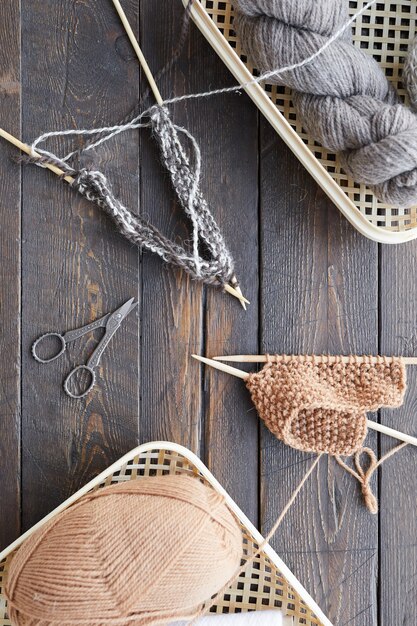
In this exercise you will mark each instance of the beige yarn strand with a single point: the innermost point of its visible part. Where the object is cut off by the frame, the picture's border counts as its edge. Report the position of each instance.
(364, 476)
(262, 545)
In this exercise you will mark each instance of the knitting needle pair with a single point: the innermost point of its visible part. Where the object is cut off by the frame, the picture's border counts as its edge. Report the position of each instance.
(216, 363)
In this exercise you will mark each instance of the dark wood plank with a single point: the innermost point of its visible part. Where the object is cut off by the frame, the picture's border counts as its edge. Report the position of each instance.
(9, 276)
(77, 72)
(172, 316)
(230, 141)
(172, 313)
(318, 294)
(398, 480)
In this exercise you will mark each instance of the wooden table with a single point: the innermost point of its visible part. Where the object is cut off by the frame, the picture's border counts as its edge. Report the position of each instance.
(314, 283)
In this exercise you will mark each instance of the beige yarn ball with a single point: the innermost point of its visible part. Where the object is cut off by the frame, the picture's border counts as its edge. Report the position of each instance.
(146, 551)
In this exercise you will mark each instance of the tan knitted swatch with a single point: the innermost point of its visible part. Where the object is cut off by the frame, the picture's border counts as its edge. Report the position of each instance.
(320, 406)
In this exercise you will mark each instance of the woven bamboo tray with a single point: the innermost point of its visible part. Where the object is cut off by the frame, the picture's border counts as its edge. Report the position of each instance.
(384, 31)
(267, 584)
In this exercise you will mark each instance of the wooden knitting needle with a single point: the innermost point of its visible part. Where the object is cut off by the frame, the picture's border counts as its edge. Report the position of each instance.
(139, 53)
(25, 148)
(234, 291)
(234, 371)
(242, 299)
(263, 358)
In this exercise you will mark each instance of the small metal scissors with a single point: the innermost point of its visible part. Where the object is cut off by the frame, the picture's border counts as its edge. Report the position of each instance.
(111, 322)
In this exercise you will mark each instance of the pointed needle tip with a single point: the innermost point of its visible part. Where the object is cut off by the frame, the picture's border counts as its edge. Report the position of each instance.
(222, 367)
(236, 294)
(238, 289)
(242, 302)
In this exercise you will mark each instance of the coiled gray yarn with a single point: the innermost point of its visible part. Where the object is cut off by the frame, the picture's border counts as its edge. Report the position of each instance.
(343, 98)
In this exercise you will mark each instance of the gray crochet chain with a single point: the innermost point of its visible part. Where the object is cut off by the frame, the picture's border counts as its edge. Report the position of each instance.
(343, 98)
(209, 260)
(213, 266)
(217, 264)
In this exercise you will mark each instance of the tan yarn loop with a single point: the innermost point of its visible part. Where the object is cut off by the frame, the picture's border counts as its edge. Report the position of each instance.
(364, 476)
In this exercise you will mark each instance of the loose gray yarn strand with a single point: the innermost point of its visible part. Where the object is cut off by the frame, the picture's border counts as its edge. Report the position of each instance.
(344, 99)
(127, 123)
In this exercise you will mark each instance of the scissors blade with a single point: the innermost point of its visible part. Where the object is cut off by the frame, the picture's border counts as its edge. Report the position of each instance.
(132, 306)
(117, 317)
(102, 322)
(112, 324)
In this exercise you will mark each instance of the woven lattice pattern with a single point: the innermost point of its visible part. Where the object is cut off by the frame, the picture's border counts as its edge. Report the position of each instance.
(261, 587)
(385, 31)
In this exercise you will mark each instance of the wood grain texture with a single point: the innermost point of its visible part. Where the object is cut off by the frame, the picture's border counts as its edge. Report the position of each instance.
(75, 266)
(398, 478)
(231, 184)
(318, 294)
(10, 246)
(172, 311)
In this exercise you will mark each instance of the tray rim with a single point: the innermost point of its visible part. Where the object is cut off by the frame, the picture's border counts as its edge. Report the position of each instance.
(156, 446)
(265, 105)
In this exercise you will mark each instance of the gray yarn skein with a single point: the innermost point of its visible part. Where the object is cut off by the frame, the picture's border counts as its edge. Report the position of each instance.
(410, 73)
(343, 97)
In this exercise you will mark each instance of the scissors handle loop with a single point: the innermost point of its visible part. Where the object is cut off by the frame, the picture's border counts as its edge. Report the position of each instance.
(80, 381)
(61, 347)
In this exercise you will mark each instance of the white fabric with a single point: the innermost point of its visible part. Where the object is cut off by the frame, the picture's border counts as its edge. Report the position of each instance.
(250, 618)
